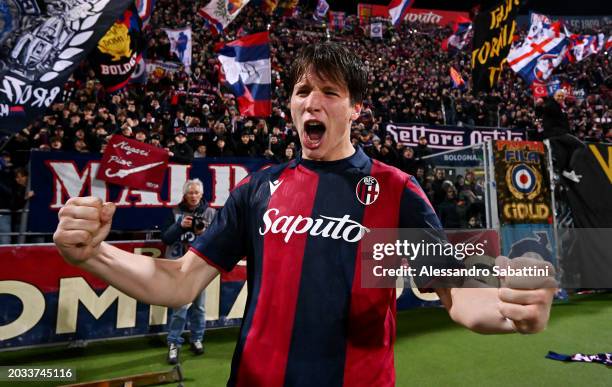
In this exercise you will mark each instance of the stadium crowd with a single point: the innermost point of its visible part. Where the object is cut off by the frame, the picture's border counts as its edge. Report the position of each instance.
(192, 115)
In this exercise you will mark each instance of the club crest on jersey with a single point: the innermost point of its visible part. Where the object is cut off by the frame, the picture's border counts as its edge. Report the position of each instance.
(367, 190)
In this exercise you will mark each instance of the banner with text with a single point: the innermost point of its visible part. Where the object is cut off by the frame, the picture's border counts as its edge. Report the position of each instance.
(56, 177)
(117, 54)
(62, 303)
(434, 16)
(493, 35)
(575, 24)
(444, 138)
(523, 185)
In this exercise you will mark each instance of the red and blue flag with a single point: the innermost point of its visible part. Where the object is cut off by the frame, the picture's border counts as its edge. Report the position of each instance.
(398, 9)
(246, 70)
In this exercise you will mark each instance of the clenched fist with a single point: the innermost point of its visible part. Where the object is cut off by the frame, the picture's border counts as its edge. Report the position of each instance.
(84, 223)
(526, 295)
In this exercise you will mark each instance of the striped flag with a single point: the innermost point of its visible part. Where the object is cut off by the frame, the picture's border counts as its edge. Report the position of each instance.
(246, 70)
(145, 9)
(398, 9)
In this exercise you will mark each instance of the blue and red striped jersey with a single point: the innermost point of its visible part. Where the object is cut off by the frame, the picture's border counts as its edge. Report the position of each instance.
(308, 322)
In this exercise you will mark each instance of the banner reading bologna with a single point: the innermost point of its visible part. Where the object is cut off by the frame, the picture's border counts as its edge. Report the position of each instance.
(493, 35)
(523, 186)
(58, 176)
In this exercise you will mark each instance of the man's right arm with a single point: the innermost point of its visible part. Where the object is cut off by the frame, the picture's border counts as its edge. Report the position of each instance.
(83, 225)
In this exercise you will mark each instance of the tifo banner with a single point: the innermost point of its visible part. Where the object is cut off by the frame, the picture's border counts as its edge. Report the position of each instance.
(435, 16)
(133, 164)
(63, 303)
(43, 56)
(443, 138)
(523, 185)
(56, 177)
(494, 31)
(16, 14)
(118, 52)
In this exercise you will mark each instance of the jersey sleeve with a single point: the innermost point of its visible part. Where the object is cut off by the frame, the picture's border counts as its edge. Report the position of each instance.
(420, 224)
(225, 241)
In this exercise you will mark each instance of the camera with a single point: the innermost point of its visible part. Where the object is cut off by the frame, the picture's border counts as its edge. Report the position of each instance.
(198, 219)
(197, 224)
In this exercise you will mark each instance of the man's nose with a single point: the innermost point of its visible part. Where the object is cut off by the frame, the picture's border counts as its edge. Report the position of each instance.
(314, 102)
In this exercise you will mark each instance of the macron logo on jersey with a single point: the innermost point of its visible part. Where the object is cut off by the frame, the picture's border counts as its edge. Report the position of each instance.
(325, 226)
(274, 186)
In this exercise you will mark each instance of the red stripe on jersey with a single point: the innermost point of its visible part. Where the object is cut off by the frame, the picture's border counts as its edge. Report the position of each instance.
(371, 333)
(266, 349)
(242, 182)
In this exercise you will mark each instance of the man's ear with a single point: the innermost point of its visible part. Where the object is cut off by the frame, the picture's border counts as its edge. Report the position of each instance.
(356, 111)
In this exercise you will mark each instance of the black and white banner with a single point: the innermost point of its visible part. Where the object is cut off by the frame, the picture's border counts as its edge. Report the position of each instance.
(42, 57)
(15, 14)
(444, 138)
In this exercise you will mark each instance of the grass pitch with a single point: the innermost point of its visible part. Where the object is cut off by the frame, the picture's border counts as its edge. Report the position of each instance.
(430, 351)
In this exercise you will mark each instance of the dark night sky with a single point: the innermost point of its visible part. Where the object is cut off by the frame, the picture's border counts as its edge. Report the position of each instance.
(550, 7)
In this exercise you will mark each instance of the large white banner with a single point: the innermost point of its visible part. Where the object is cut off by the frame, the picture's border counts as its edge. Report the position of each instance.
(180, 44)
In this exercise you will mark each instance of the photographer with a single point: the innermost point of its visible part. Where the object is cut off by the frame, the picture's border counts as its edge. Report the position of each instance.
(189, 219)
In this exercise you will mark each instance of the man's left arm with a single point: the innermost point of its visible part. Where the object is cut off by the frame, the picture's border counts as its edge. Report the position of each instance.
(520, 304)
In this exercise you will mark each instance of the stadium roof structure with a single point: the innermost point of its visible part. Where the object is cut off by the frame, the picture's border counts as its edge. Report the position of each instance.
(550, 7)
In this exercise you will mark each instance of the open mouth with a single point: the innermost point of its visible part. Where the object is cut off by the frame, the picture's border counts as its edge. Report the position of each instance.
(314, 131)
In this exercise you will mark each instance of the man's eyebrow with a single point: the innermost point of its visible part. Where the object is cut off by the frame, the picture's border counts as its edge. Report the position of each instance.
(300, 86)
